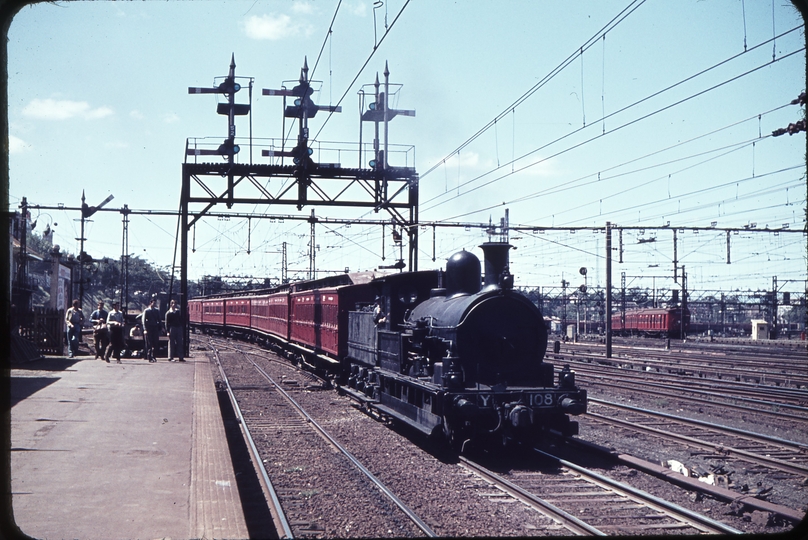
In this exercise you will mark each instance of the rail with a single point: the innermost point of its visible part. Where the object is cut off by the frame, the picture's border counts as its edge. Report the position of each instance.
(378, 483)
(281, 524)
(773, 463)
(694, 519)
(569, 521)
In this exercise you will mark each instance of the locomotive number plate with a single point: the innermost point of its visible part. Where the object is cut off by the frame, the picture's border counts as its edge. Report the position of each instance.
(541, 400)
(546, 399)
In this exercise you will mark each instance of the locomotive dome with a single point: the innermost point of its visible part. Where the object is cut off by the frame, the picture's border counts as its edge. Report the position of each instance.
(463, 274)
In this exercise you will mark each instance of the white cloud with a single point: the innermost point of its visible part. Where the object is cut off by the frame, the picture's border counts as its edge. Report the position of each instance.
(170, 118)
(305, 8)
(136, 114)
(100, 112)
(51, 109)
(273, 27)
(17, 145)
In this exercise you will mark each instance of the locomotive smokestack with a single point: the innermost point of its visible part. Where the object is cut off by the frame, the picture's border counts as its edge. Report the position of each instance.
(497, 274)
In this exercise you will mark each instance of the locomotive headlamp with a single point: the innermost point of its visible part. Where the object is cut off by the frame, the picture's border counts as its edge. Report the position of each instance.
(566, 377)
(572, 406)
(465, 409)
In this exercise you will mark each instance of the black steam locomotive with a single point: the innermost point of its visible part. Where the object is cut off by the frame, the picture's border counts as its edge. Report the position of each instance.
(464, 359)
(449, 353)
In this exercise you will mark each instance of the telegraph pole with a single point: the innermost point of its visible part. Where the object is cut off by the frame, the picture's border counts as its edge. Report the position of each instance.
(608, 289)
(125, 261)
(86, 212)
(684, 303)
(312, 249)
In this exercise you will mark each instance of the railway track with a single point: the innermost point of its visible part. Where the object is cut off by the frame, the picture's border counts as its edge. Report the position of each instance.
(446, 497)
(729, 443)
(760, 406)
(590, 504)
(749, 501)
(703, 372)
(299, 482)
(786, 397)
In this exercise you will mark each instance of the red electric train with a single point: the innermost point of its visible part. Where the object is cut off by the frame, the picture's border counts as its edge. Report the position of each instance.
(660, 322)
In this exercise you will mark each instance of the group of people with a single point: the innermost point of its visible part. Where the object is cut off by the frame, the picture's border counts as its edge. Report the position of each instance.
(108, 331)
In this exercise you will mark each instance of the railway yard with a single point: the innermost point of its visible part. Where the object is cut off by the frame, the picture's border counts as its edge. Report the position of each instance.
(679, 438)
(355, 368)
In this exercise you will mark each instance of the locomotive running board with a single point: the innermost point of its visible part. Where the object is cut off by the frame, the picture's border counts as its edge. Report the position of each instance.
(399, 417)
(359, 396)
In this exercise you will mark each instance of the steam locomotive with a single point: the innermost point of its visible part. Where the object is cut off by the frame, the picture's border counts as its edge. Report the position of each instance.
(448, 353)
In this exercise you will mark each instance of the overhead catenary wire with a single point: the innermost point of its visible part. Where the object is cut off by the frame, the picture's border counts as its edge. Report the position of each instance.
(619, 111)
(362, 68)
(555, 71)
(664, 176)
(326, 39)
(505, 175)
(512, 111)
(579, 182)
(361, 239)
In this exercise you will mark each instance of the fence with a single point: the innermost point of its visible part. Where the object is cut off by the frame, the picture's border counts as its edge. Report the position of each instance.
(43, 327)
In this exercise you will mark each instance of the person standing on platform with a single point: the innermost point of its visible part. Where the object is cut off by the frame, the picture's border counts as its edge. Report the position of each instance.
(175, 326)
(115, 326)
(100, 334)
(74, 319)
(151, 330)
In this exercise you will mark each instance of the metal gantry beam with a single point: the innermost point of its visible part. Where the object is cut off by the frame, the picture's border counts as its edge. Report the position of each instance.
(304, 182)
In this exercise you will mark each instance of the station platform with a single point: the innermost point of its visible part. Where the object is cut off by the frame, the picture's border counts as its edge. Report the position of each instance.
(132, 450)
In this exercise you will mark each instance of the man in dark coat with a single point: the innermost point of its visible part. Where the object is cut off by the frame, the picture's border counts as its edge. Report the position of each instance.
(151, 330)
(175, 326)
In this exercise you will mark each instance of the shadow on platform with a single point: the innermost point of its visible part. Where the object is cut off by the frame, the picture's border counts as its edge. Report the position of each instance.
(24, 387)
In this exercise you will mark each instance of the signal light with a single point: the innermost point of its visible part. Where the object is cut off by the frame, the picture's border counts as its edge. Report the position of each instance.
(228, 148)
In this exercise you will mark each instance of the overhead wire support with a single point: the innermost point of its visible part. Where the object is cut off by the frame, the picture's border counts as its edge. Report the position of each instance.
(794, 127)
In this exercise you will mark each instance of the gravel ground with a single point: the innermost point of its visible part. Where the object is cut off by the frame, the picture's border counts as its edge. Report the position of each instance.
(447, 497)
(785, 489)
(456, 503)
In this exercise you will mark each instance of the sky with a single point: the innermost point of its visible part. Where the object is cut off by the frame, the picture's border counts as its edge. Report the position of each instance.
(567, 114)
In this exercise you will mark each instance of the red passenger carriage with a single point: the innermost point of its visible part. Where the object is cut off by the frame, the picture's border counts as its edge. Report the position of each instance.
(664, 322)
(237, 312)
(270, 314)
